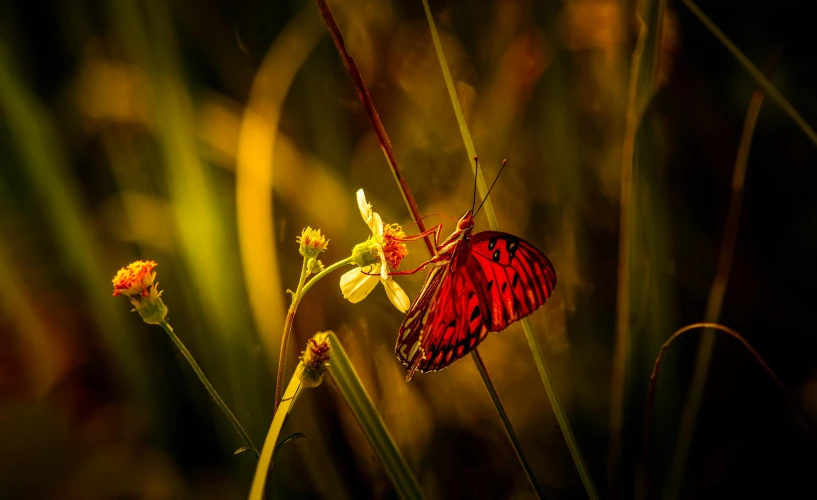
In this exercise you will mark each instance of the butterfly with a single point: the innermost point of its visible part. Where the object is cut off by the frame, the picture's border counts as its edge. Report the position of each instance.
(478, 283)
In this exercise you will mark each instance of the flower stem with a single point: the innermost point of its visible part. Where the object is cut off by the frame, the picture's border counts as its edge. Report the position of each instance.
(265, 461)
(333, 267)
(282, 356)
(296, 300)
(212, 390)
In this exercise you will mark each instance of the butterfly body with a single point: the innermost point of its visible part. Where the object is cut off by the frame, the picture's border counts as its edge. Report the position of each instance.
(478, 283)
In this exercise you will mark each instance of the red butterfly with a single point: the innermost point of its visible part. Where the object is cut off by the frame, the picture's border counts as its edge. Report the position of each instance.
(480, 283)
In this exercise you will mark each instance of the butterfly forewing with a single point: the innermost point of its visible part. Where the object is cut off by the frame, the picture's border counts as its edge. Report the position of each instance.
(518, 277)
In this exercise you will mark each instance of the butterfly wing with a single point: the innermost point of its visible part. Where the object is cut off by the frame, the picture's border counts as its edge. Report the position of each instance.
(411, 330)
(518, 277)
(445, 323)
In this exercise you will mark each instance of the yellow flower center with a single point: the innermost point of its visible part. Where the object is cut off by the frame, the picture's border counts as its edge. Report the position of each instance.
(393, 247)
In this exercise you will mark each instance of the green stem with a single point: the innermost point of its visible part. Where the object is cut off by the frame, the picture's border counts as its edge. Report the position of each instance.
(296, 300)
(536, 349)
(506, 422)
(352, 390)
(282, 356)
(333, 267)
(265, 461)
(754, 72)
(212, 390)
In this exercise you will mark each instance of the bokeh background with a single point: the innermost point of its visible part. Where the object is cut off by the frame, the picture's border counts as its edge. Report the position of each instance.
(205, 135)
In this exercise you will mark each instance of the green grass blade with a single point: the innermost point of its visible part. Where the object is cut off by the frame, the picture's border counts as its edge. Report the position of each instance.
(350, 386)
(536, 349)
(265, 460)
(754, 72)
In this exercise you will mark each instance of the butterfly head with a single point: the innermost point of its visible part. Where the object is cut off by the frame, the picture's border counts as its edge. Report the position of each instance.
(466, 222)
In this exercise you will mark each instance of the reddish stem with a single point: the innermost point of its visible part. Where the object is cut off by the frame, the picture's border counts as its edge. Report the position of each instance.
(374, 118)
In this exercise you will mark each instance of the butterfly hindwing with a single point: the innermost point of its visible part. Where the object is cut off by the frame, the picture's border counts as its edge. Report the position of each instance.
(518, 278)
(411, 330)
(455, 325)
(445, 322)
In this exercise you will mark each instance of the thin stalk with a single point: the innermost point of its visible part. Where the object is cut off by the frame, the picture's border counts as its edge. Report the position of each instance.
(754, 72)
(506, 422)
(265, 461)
(282, 356)
(212, 390)
(296, 300)
(334, 267)
(715, 300)
(752, 351)
(622, 340)
(536, 349)
(351, 388)
(374, 118)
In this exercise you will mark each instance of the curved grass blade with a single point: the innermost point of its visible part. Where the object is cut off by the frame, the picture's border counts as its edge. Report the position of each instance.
(291, 437)
(714, 302)
(709, 327)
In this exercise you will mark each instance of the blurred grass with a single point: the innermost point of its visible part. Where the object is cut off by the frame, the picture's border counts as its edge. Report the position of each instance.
(206, 135)
(200, 215)
(46, 174)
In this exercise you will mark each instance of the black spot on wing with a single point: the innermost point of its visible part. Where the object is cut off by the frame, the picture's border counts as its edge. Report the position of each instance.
(496, 255)
(475, 313)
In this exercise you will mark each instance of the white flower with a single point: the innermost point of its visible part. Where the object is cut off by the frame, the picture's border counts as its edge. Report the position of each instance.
(372, 260)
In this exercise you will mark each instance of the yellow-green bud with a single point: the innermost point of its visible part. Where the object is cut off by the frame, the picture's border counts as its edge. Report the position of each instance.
(314, 360)
(311, 242)
(366, 254)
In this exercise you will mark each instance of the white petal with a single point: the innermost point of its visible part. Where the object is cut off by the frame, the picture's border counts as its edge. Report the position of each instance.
(396, 295)
(355, 285)
(376, 226)
(364, 206)
(384, 269)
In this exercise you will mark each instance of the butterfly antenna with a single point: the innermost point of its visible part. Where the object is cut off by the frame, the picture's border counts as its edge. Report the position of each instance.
(476, 171)
(504, 162)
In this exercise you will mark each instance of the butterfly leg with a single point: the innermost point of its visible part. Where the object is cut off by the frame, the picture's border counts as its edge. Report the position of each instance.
(436, 230)
(436, 260)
